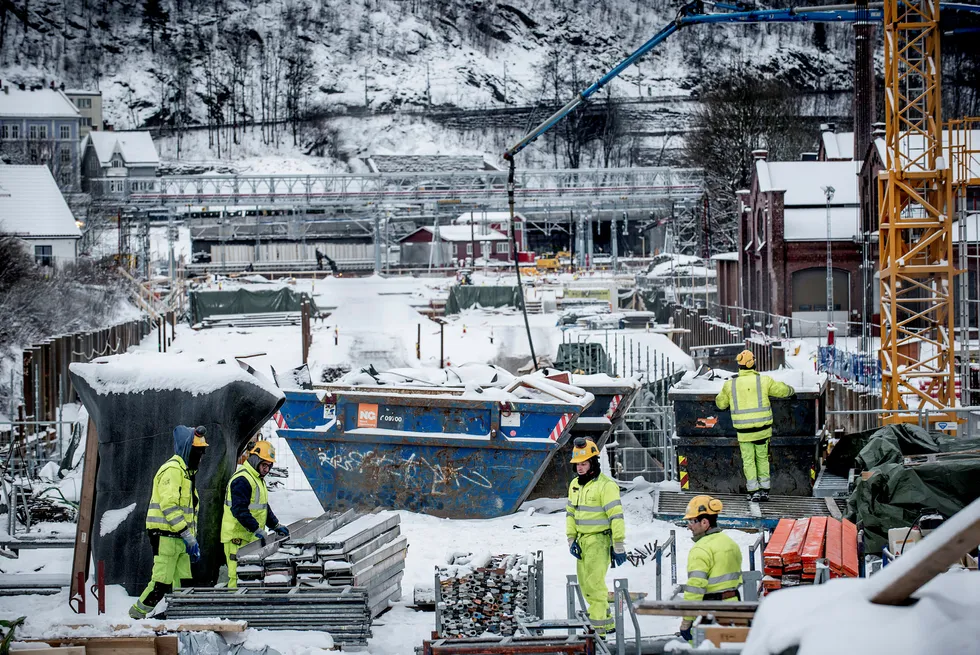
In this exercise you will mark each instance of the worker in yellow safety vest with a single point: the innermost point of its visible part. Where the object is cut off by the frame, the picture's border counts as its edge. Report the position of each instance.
(171, 519)
(595, 529)
(247, 512)
(714, 565)
(748, 396)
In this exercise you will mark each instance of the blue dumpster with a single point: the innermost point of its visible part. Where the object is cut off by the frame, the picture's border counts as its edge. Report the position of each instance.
(454, 455)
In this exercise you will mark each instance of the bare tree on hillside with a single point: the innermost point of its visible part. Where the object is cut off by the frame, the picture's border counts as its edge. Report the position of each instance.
(739, 114)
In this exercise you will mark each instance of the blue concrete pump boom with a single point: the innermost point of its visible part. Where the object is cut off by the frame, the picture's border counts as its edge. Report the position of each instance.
(693, 14)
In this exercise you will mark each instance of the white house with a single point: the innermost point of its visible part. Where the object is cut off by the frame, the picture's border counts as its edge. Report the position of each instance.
(109, 158)
(33, 209)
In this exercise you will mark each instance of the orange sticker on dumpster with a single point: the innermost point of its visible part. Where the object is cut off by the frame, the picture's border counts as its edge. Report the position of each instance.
(704, 423)
(367, 415)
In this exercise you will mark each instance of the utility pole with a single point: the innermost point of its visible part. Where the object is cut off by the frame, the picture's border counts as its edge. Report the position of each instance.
(377, 243)
(829, 192)
(613, 239)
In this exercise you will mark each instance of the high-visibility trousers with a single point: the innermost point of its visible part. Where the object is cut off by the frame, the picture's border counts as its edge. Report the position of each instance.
(231, 556)
(171, 564)
(755, 464)
(591, 570)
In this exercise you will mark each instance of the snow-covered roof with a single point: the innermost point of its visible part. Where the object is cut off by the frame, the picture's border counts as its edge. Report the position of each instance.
(135, 147)
(82, 92)
(462, 233)
(486, 217)
(725, 257)
(31, 205)
(425, 163)
(42, 103)
(803, 181)
(838, 145)
(810, 224)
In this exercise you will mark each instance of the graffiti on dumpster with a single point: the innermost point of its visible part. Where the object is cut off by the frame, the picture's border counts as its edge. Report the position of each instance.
(406, 471)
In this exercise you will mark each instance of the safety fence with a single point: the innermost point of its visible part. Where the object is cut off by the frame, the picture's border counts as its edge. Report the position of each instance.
(46, 385)
(695, 327)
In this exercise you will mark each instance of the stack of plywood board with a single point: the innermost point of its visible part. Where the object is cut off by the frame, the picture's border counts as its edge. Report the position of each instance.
(790, 557)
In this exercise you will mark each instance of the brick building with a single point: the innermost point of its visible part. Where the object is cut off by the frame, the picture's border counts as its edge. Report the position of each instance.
(455, 244)
(783, 234)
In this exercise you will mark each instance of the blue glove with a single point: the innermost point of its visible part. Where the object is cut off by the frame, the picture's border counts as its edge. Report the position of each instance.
(191, 545)
(281, 530)
(686, 635)
(260, 535)
(575, 549)
(617, 555)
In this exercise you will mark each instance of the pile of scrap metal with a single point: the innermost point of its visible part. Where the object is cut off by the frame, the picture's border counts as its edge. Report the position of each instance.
(902, 472)
(334, 551)
(476, 594)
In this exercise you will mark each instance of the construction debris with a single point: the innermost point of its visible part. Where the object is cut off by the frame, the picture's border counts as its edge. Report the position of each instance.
(344, 613)
(478, 594)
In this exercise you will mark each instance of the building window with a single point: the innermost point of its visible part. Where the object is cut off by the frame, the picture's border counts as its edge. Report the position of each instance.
(66, 131)
(42, 131)
(33, 131)
(66, 155)
(469, 249)
(117, 162)
(43, 255)
(115, 186)
(4, 131)
(86, 121)
(83, 103)
(15, 131)
(65, 178)
(503, 247)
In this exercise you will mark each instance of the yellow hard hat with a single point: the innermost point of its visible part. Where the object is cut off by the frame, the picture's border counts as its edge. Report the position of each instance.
(583, 450)
(200, 432)
(746, 358)
(264, 451)
(702, 505)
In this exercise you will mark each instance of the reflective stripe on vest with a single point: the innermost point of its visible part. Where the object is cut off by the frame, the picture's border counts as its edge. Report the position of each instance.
(258, 507)
(177, 517)
(750, 417)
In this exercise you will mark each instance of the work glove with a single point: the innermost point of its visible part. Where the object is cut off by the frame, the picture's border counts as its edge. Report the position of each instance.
(617, 554)
(191, 545)
(574, 548)
(260, 535)
(686, 635)
(281, 530)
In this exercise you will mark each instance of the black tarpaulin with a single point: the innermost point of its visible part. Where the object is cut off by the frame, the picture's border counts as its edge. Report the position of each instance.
(464, 297)
(244, 301)
(135, 408)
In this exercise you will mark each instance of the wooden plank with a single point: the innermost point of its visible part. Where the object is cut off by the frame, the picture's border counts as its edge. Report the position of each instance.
(86, 508)
(692, 611)
(771, 555)
(60, 650)
(164, 627)
(834, 557)
(849, 549)
(833, 508)
(792, 551)
(814, 542)
(721, 635)
(112, 645)
(896, 583)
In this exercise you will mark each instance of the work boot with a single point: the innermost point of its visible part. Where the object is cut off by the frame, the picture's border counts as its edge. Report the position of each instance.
(136, 614)
(763, 496)
(755, 496)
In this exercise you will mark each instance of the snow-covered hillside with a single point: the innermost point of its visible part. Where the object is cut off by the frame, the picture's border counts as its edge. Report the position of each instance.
(185, 63)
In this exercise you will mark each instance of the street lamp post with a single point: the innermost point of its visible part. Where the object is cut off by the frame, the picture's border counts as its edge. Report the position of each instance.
(829, 193)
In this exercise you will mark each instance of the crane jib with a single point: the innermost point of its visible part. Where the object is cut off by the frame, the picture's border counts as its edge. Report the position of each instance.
(692, 14)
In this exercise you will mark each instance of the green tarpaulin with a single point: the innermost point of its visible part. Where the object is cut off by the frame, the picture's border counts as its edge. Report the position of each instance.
(896, 492)
(242, 301)
(464, 297)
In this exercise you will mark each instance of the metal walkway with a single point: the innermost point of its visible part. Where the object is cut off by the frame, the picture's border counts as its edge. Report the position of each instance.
(739, 513)
(553, 188)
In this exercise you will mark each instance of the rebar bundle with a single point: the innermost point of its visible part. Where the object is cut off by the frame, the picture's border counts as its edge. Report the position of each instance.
(489, 594)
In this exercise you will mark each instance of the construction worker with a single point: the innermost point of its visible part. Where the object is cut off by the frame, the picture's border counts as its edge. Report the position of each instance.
(247, 512)
(595, 529)
(171, 520)
(714, 565)
(748, 396)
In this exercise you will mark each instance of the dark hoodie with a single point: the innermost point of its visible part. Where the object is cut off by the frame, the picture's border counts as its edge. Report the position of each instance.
(183, 438)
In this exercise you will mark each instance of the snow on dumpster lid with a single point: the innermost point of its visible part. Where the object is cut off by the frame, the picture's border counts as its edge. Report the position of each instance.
(801, 381)
(138, 372)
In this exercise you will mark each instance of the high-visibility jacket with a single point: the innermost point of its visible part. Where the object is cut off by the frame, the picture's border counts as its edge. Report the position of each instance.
(749, 402)
(594, 508)
(258, 507)
(174, 501)
(714, 565)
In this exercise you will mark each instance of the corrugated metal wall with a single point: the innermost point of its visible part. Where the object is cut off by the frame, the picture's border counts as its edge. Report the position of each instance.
(292, 252)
